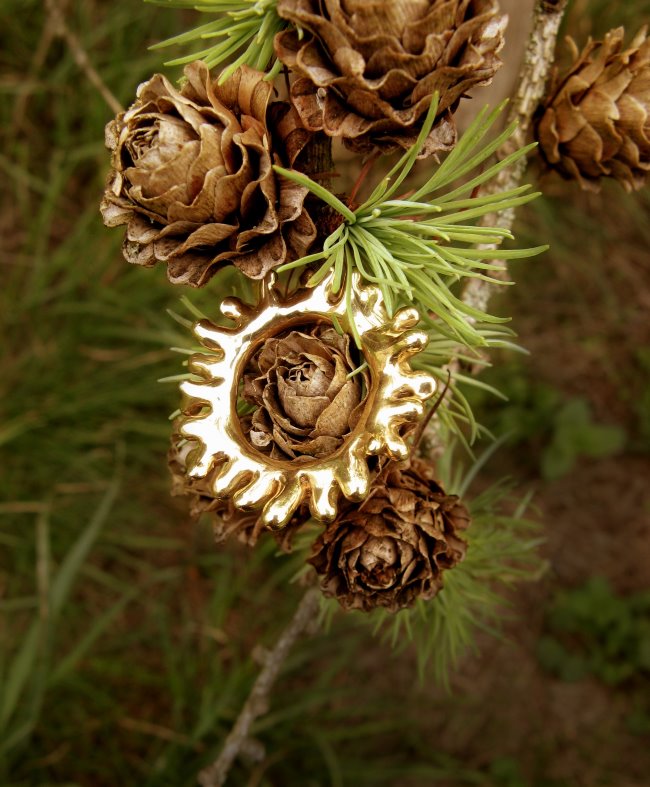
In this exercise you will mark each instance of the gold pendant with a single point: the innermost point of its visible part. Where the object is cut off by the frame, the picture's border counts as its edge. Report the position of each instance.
(234, 468)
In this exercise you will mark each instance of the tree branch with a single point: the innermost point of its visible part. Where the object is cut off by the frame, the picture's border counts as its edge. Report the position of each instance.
(258, 700)
(534, 73)
(538, 60)
(533, 76)
(80, 55)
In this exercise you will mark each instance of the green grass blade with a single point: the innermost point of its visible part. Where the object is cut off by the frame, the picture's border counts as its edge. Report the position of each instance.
(24, 660)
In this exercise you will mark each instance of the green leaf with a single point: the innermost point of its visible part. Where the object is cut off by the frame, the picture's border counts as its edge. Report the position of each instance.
(317, 190)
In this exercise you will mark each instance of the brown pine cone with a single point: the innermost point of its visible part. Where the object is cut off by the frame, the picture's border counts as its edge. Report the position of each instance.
(306, 404)
(368, 68)
(393, 548)
(596, 121)
(228, 522)
(192, 177)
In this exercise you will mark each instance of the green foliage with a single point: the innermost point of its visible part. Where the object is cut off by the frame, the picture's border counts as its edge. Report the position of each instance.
(575, 435)
(557, 431)
(530, 407)
(27, 673)
(505, 772)
(638, 721)
(591, 631)
(416, 247)
(455, 412)
(244, 30)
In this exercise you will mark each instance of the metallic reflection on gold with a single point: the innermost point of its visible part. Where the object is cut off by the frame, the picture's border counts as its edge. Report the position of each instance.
(235, 468)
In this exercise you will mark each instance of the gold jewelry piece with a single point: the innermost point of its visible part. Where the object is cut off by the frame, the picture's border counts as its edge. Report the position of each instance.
(395, 398)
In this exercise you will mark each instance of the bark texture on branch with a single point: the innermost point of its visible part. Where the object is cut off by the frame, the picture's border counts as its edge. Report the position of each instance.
(536, 68)
(257, 704)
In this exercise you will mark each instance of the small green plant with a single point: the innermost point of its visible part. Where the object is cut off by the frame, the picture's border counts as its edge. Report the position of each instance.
(28, 673)
(592, 632)
(558, 431)
(575, 435)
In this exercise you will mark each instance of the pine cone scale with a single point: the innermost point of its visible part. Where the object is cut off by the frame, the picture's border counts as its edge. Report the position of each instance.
(306, 402)
(391, 550)
(597, 120)
(368, 71)
(196, 163)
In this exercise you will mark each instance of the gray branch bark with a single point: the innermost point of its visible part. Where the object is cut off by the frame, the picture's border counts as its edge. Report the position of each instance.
(257, 703)
(538, 61)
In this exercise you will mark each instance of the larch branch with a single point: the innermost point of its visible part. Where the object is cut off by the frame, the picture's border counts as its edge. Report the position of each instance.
(257, 702)
(535, 70)
(80, 55)
(533, 76)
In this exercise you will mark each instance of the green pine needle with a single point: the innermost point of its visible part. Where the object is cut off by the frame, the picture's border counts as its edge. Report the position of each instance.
(244, 30)
(417, 248)
(455, 411)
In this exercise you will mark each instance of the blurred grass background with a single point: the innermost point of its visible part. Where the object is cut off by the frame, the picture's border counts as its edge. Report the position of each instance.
(126, 636)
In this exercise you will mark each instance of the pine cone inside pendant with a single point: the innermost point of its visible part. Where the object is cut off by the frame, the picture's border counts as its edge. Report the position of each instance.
(597, 119)
(312, 404)
(393, 548)
(305, 401)
(192, 177)
(367, 69)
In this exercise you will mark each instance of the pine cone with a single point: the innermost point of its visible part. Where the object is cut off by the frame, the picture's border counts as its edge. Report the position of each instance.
(596, 122)
(192, 177)
(306, 404)
(369, 69)
(228, 522)
(392, 549)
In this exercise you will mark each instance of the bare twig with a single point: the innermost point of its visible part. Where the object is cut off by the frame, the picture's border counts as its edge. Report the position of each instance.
(80, 55)
(535, 70)
(258, 700)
